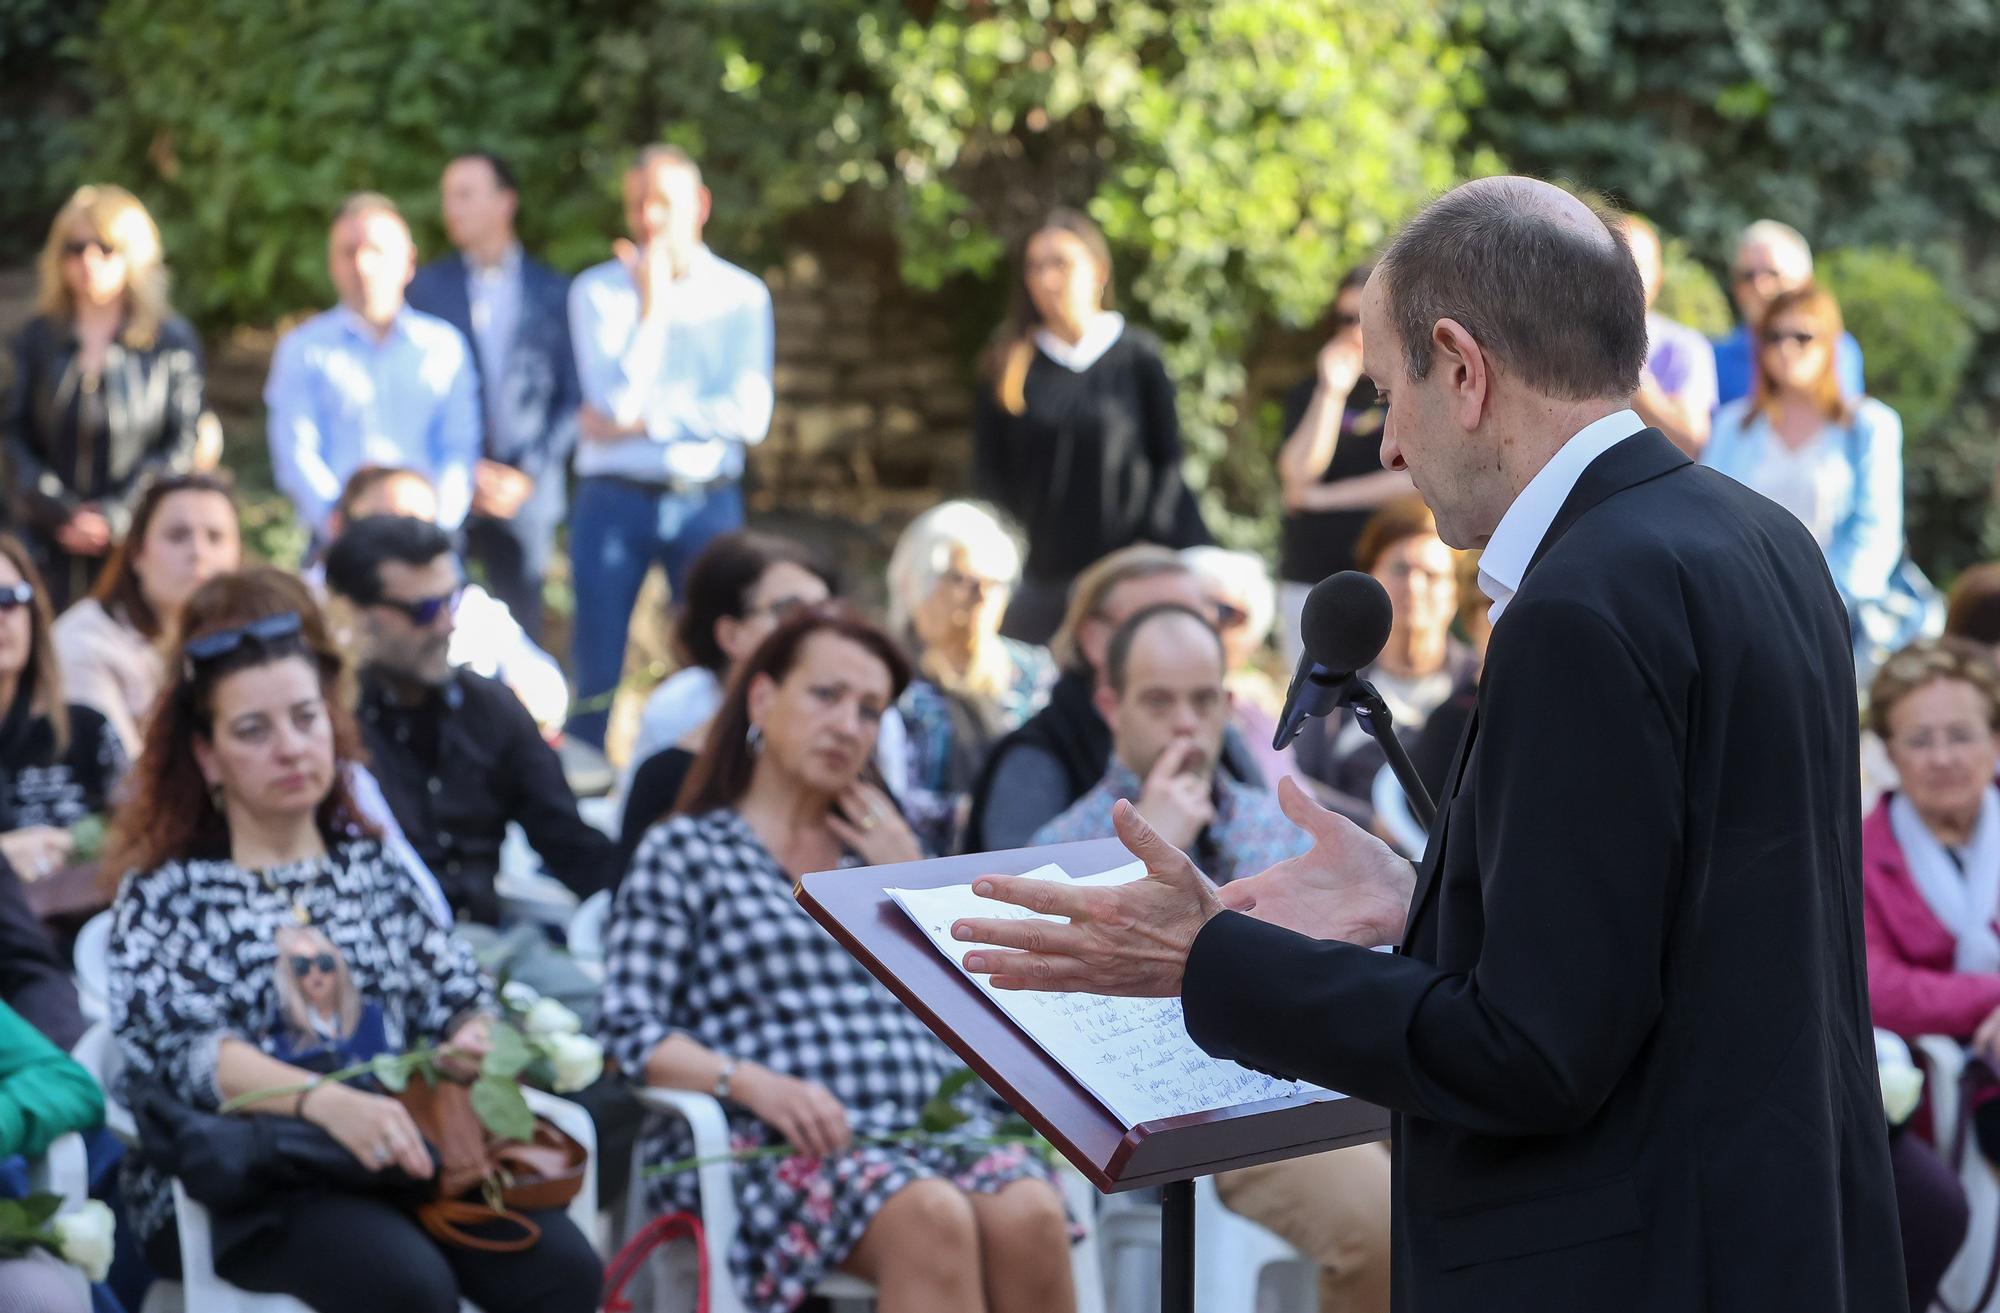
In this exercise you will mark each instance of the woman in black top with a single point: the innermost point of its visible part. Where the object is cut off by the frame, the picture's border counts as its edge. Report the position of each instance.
(1075, 434)
(1330, 468)
(107, 387)
(58, 763)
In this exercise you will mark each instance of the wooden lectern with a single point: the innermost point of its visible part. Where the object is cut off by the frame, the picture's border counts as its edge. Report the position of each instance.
(1169, 1153)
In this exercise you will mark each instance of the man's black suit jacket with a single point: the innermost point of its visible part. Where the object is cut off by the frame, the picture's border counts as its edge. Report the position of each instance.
(1627, 1041)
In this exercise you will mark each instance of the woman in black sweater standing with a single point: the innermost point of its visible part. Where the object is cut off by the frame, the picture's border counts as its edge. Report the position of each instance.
(1076, 434)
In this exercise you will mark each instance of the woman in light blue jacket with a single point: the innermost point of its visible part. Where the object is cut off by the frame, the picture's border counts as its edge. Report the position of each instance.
(1834, 461)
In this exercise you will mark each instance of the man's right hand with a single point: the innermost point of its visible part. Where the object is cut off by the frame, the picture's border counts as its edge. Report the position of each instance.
(1349, 886)
(85, 533)
(1178, 798)
(651, 268)
(1340, 365)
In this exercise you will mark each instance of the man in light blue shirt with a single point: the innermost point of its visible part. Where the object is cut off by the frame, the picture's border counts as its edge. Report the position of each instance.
(371, 381)
(673, 351)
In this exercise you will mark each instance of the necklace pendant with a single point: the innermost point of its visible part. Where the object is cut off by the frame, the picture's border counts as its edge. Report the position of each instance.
(300, 915)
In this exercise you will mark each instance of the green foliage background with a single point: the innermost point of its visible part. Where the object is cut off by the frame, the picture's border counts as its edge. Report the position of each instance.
(1239, 153)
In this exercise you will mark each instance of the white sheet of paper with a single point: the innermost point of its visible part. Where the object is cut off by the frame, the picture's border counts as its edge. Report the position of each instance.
(1133, 1054)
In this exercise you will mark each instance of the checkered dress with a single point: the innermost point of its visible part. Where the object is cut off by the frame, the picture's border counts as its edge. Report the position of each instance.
(706, 940)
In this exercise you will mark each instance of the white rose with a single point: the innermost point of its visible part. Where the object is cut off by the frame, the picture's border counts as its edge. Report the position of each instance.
(548, 1017)
(577, 1060)
(519, 997)
(84, 1238)
(1902, 1088)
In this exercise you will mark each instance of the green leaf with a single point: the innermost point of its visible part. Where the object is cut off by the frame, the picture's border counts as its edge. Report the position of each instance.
(939, 1113)
(39, 1208)
(502, 1108)
(392, 1071)
(510, 1052)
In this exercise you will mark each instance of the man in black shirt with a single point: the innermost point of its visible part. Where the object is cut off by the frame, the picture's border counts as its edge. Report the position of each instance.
(457, 754)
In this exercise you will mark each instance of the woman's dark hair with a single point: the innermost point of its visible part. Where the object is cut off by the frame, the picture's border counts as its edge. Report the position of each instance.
(41, 678)
(1973, 608)
(720, 582)
(1012, 350)
(117, 588)
(721, 773)
(167, 814)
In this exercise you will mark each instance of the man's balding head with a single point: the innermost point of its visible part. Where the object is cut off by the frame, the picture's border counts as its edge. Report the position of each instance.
(1534, 274)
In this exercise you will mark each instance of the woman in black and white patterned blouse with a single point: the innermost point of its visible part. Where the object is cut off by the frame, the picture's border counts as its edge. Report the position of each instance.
(263, 936)
(717, 981)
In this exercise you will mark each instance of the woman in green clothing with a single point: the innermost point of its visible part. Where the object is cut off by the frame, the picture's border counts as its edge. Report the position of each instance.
(44, 1094)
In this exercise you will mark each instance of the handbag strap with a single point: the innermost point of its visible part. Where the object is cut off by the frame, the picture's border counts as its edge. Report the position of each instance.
(626, 1264)
(446, 1220)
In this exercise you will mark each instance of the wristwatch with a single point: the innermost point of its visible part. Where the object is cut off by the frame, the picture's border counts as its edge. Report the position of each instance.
(722, 1078)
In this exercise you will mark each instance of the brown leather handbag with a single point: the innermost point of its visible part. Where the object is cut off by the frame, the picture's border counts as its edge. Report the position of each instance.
(545, 1172)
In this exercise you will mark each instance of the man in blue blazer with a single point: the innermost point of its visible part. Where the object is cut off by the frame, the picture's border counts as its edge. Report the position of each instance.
(514, 312)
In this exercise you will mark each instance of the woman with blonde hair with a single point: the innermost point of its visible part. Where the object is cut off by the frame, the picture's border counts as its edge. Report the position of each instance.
(1834, 461)
(107, 386)
(1075, 434)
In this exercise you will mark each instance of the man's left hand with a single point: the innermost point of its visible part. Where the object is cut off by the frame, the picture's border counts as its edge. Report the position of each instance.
(499, 490)
(1130, 939)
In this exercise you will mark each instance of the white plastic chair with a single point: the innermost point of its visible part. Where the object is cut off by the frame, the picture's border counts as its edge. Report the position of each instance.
(706, 1120)
(92, 955)
(585, 935)
(1943, 1061)
(1238, 1265)
(64, 1170)
(200, 1290)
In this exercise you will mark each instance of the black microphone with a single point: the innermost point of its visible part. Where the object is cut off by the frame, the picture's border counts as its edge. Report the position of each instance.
(1345, 625)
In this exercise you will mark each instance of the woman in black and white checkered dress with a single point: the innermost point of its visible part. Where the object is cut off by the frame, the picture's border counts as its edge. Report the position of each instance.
(717, 981)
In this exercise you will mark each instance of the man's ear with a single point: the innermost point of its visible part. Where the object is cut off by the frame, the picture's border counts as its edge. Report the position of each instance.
(1469, 372)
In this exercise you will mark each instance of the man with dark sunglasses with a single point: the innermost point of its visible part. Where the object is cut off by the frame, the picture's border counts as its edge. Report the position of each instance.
(457, 754)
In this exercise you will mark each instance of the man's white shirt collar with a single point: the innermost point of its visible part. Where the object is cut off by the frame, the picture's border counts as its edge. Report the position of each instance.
(1521, 530)
(1088, 349)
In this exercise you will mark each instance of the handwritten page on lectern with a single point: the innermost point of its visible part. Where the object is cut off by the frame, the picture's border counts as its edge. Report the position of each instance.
(1133, 1054)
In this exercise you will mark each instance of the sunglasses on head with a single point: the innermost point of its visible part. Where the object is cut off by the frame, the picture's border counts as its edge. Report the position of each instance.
(13, 595)
(71, 250)
(423, 612)
(302, 963)
(266, 631)
(1775, 338)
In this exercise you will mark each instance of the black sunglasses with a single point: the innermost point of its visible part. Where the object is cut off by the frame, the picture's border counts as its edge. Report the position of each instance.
(326, 962)
(13, 595)
(1228, 617)
(1796, 339)
(423, 612)
(266, 631)
(72, 250)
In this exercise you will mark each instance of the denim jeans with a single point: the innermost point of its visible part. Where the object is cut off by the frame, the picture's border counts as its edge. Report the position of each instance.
(617, 530)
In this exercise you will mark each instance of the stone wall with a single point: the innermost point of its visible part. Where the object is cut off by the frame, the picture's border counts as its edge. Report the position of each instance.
(874, 389)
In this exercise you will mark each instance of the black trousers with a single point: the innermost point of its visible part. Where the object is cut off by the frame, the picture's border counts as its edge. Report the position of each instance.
(338, 1253)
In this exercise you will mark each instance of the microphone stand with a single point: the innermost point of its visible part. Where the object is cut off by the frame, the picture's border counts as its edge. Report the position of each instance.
(1373, 715)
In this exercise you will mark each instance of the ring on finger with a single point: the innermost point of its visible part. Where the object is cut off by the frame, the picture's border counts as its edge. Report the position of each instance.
(869, 820)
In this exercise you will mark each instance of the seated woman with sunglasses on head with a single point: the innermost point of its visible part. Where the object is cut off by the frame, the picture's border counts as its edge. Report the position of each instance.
(250, 871)
(59, 763)
(716, 980)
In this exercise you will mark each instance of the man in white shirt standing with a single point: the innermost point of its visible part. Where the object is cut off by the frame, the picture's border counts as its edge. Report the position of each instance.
(673, 351)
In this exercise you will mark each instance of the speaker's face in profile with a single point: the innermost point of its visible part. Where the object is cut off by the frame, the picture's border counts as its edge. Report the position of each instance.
(1420, 432)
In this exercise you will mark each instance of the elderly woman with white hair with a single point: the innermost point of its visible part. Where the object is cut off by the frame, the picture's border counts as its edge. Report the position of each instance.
(950, 578)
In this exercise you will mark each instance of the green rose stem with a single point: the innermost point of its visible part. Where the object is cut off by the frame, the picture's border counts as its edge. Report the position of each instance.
(1031, 1142)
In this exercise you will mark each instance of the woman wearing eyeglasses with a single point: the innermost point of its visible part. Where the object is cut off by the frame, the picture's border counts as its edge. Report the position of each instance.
(107, 387)
(950, 576)
(1834, 461)
(248, 864)
(59, 762)
(1330, 468)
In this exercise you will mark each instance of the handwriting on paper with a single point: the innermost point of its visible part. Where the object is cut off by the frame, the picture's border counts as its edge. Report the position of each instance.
(1132, 1054)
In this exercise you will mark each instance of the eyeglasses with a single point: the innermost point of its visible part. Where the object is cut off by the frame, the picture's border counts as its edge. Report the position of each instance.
(327, 962)
(265, 631)
(13, 595)
(1229, 617)
(74, 250)
(423, 612)
(1343, 321)
(1742, 276)
(779, 609)
(1776, 338)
